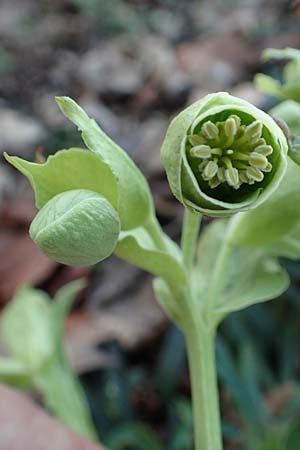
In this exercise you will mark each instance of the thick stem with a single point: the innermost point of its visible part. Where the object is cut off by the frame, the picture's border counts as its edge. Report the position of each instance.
(201, 355)
(191, 225)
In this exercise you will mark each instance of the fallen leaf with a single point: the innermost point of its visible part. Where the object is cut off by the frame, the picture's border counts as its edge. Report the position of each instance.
(24, 426)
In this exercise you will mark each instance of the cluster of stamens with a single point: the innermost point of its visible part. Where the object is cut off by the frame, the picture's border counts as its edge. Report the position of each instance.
(231, 153)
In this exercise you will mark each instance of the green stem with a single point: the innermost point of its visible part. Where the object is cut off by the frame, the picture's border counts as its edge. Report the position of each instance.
(221, 261)
(206, 411)
(154, 229)
(191, 225)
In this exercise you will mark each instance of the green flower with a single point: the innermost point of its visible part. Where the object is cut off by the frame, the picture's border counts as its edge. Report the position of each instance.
(222, 155)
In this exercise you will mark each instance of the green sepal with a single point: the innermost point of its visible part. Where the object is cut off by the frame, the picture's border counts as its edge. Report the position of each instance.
(187, 188)
(70, 169)
(136, 205)
(78, 227)
(274, 219)
(249, 275)
(137, 247)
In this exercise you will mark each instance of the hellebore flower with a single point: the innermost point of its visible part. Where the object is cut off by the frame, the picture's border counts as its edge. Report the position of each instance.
(223, 155)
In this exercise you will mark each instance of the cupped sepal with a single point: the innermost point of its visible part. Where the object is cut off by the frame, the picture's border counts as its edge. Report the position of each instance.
(77, 227)
(222, 155)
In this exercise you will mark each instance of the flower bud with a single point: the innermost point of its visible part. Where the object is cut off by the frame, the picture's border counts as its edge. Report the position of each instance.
(222, 155)
(77, 227)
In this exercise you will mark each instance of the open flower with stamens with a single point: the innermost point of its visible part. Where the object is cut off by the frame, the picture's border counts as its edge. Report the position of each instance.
(222, 155)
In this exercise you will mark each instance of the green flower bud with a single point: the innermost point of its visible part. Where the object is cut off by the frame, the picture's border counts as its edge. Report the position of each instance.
(77, 227)
(222, 155)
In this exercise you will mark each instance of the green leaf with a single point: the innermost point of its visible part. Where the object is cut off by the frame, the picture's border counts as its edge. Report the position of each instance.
(67, 170)
(135, 436)
(268, 85)
(14, 373)
(137, 247)
(136, 204)
(249, 275)
(26, 328)
(65, 398)
(289, 111)
(290, 88)
(286, 53)
(166, 299)
(236, 386)
(287, 247)
(276, 218)
(61, 306)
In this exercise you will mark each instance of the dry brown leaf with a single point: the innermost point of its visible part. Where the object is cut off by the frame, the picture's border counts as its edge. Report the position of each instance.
(132, 320)
(20, 262)
(24, 426)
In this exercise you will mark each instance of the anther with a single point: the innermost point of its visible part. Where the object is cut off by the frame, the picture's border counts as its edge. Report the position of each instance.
(214, 182)
(243, 176)
(265, 150)
(216, 151)
(230, 127)
(221, 175)
(196, 139)
(201, 151)
(254, 130)
(268, 167)
(258, 160)
(255, 173)
(210, 130)
(210, 170)
(232, 177)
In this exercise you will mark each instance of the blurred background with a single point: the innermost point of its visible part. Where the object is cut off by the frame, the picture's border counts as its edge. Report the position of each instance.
(132, 64)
